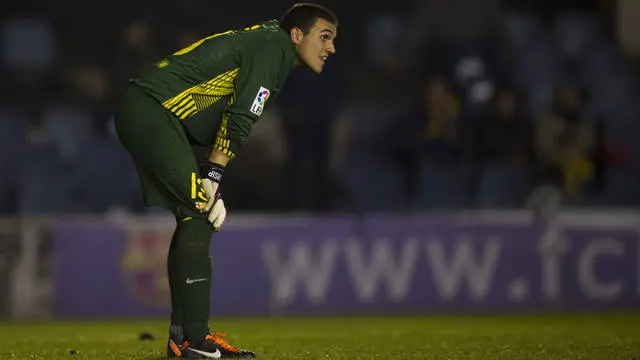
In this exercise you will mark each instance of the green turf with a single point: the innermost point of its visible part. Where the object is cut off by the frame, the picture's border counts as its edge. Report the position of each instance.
(592, 337)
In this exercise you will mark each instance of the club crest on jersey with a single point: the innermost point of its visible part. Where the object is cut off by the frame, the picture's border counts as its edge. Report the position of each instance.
(260, 100)
(200, 205)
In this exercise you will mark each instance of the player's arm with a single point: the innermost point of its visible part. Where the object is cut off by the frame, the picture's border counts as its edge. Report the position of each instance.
(258, 69)
(255, 85)
(218, 157)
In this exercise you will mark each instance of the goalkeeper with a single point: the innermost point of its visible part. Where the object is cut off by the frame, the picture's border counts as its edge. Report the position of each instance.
(209, 94)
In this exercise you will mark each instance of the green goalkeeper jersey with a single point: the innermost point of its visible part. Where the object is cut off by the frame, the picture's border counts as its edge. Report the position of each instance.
(219, 86)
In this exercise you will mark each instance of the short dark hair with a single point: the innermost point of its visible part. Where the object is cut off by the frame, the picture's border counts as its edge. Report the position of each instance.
(305, 15)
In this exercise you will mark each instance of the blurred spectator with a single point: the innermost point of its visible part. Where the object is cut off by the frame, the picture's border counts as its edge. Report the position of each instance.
(308, 107)
(443, 20)
(435, 120)
(136, 51)
(503, 133)
(185, 37)
(628, 29)
(88, 86)
(89, 83)
(266, 149)
(574, 163)
(381, 78)
(564, 115)
(428, 130)
(564, 141)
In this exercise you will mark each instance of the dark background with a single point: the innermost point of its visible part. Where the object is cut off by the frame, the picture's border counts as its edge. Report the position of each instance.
(427, 105)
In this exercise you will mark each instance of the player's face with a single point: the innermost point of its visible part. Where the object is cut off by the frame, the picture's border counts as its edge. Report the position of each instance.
(315, 47)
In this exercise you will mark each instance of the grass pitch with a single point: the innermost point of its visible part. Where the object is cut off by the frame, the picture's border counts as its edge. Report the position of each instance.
(593, 337)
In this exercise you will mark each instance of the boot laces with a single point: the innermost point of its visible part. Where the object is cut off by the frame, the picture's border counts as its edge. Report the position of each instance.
(218, 338)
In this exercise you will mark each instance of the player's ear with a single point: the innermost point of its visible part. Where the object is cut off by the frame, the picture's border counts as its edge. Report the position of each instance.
(296, 35)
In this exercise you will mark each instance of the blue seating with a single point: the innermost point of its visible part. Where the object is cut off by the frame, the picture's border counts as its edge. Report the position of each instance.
(621, 186)
(599, 59)
(502, 185)
(13, 130)
(375, 185)
(573, 31)
(522, 28)
(27, 44)
(42, 180)
(373, 180)
(67, 127)
(442, 186)
(537, 70)
(104, 177)
(612, 95)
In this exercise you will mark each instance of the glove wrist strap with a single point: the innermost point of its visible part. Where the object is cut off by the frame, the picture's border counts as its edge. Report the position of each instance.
(212, 171)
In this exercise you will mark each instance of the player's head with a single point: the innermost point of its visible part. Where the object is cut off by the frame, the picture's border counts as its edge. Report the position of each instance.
(312, 29)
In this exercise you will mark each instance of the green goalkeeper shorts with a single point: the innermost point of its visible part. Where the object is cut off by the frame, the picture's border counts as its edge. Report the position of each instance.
(162, 153)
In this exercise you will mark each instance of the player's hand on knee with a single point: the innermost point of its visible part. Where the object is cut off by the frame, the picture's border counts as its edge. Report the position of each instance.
(218, 214)
(211, 190)
(211, 174)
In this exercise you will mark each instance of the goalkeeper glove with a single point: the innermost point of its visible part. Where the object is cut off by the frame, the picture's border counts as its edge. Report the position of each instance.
(211, 175)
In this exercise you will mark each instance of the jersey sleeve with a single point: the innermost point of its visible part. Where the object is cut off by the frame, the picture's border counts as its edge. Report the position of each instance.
(257, 78)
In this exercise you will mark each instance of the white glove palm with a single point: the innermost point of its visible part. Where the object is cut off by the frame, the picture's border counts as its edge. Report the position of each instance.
(215, 206)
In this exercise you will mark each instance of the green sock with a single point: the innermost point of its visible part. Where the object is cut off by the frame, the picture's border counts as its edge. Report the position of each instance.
(191, 277)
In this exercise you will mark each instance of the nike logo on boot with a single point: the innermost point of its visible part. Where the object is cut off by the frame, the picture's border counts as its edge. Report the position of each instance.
(210, 355)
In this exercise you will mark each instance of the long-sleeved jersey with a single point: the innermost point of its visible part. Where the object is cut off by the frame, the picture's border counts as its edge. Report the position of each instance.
(219, 86)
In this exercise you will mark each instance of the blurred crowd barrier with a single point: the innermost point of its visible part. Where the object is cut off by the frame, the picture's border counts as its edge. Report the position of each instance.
(504, 261)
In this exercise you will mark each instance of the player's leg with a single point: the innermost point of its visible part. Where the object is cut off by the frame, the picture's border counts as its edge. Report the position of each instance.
(167, 171)
(188, 264)
(169, 175)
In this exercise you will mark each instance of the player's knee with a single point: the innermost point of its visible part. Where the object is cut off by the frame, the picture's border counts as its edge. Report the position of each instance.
(196, 231)
(189, 212)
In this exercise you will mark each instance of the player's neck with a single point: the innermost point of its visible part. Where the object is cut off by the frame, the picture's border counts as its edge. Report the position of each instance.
(297, 62)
